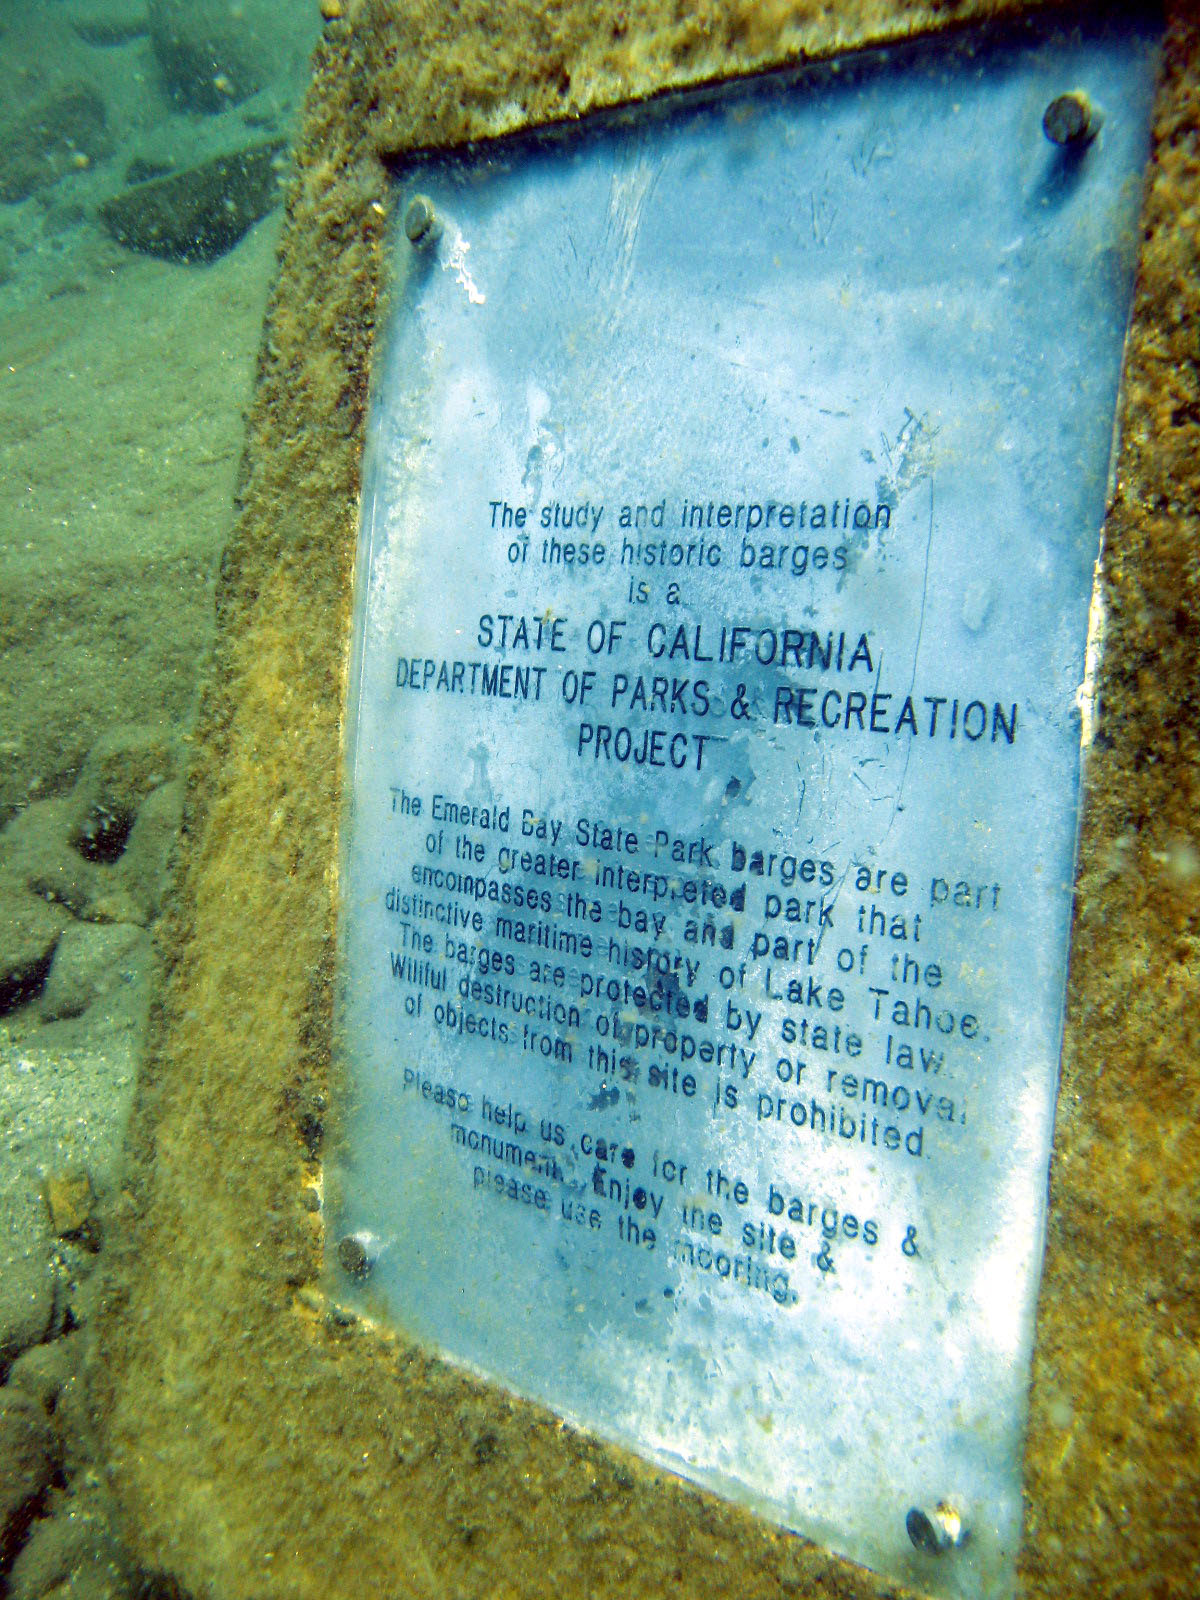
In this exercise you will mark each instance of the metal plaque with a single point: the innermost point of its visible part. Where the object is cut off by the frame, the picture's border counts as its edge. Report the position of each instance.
(735, 482)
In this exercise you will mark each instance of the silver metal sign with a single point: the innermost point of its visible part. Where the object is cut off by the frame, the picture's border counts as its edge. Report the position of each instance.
(735, 484)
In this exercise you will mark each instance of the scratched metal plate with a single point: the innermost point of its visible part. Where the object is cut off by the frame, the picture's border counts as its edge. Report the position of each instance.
(706, 901)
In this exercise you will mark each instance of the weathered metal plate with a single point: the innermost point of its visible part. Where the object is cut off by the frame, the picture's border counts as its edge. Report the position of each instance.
(734, 495)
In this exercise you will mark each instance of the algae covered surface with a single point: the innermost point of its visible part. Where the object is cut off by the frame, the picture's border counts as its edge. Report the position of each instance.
(260, 1442)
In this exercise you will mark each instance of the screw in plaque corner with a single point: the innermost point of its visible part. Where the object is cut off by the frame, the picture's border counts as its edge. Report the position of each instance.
(421, 222)
(357, 1254)
(936, 1531)
(1071, 120)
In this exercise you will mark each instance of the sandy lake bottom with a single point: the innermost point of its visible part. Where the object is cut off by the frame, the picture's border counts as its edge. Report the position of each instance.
(142, 149)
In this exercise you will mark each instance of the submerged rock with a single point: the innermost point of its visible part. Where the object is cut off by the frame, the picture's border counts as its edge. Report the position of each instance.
(30, 928)
(75, 1553)
(98, 854)
(61, 133)
(121, 769)
(198, 214)
(37, 846)
(91, 959)
(143, 870)
(141, 170)
(27, 1461)
(210, 55)
(70, 1200)
(26, 1281)
(110, 22)
(44, 1370)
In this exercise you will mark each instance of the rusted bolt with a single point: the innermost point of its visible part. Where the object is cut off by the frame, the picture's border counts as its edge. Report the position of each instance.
(1071, 119)
(420, 220)
(355, 1256)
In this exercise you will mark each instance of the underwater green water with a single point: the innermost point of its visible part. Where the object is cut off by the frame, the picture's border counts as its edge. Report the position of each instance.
(142, 145)
(141, 150)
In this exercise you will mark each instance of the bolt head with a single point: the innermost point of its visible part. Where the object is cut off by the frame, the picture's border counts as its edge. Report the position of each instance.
(1071, 119)
(934, 1531)
(420, 220)
(354, 1258)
